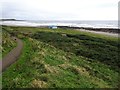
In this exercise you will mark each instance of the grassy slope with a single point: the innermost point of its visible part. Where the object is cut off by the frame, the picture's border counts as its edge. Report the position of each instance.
(17, 73)
(7, 43)
(0, 43)
(53, 60)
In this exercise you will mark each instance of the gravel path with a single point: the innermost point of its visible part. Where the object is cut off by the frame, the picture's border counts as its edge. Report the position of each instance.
(12, 56)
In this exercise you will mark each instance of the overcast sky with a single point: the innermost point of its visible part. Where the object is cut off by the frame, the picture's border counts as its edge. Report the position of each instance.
(60, 9)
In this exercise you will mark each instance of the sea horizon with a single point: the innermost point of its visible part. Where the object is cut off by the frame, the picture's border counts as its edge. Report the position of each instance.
(72, 23)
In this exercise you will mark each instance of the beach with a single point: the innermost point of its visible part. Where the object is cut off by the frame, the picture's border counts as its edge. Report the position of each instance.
(99, 32)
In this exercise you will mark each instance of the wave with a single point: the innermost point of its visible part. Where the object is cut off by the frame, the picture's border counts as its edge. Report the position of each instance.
(89, 24)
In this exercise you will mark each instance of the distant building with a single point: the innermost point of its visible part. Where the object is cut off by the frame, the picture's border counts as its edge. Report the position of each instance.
(53, 27)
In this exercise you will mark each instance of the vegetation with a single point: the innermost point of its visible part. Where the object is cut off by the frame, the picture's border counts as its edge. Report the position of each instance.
(7, 43)
(64, 59)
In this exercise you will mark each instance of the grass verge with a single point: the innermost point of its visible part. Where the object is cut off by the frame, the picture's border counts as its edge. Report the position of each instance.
(7, 43)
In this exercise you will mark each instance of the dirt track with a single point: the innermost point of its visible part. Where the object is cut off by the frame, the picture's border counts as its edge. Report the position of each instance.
(12, 56)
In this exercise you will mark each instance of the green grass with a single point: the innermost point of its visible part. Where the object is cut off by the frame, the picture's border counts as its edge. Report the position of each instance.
(77, 60)
(59, 30)
(7, 43)
(0, 44)
(105, 51)
(17, 74)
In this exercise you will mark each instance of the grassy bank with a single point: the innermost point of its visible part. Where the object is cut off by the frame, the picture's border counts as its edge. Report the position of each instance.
(17, 74)
(64, 59)
(7, 42)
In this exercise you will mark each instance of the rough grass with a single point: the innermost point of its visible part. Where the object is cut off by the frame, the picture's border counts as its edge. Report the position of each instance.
(20, 73)
(51, 59)
(7, 43)
(102, 50)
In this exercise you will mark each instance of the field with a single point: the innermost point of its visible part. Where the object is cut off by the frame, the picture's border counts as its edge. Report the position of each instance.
(63, 58)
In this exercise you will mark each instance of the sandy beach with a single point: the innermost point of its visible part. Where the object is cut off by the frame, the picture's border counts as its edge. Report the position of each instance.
(99, 32)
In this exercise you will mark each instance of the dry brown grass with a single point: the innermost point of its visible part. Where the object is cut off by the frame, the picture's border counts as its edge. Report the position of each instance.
(80, 70)
(38, 84)
(51, 69)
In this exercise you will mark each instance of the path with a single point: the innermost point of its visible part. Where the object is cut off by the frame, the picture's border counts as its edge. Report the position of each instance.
(12, 56)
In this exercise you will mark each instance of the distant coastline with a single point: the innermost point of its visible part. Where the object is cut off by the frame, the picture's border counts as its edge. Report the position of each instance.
(62, 24)
(10, 20)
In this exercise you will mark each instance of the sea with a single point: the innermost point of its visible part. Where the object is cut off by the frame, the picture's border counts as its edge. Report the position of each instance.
(72, 23)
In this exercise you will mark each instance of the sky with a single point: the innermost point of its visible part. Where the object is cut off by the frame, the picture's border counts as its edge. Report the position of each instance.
(59, 9)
